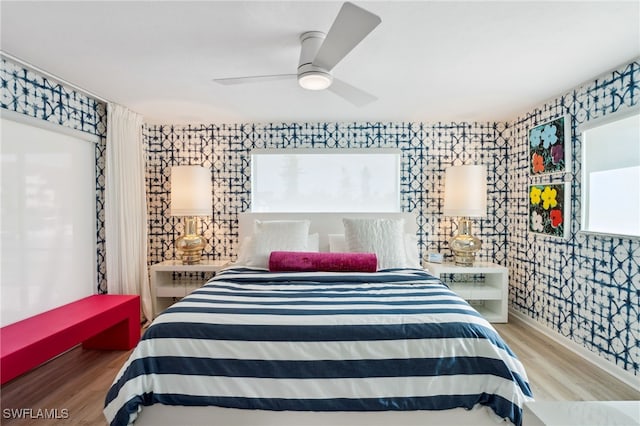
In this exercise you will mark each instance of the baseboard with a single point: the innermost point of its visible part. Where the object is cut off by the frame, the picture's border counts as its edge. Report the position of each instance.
(624, 376)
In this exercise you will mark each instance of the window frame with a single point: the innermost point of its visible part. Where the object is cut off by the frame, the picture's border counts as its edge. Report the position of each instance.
(621, 114)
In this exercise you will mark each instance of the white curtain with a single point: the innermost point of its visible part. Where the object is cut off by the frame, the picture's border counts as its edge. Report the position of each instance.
(126, 207)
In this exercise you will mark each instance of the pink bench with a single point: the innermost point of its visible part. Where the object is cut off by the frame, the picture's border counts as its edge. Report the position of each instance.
(103, 321)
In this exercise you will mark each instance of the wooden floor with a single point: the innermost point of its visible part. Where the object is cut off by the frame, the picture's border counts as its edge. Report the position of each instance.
(557, 374)
(78, 380)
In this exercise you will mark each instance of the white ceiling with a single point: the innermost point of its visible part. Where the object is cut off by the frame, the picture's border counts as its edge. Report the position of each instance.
(427, 61)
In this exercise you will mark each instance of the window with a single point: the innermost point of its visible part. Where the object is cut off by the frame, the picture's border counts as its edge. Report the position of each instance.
(48, 211)
(611, 175)
(322, 180)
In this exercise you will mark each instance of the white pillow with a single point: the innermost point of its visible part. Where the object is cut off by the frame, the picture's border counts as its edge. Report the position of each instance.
(268, 236)
(338, 244)
(412, 251)
(244, 251)
(384, 237)
(313, 242)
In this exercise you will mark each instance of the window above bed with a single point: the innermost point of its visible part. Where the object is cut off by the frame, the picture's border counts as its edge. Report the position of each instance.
(325, 180)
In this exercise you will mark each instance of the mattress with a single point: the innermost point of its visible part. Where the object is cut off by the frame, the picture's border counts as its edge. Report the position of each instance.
(321, 341)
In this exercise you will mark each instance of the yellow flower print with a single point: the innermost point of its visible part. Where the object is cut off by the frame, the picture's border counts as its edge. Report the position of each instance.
(548, 198)
(535, 195)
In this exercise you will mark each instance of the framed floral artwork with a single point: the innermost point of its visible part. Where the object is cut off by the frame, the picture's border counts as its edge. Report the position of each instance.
(549, 206)
(549, 147)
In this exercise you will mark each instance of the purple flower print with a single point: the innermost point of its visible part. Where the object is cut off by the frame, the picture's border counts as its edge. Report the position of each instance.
(557, 153)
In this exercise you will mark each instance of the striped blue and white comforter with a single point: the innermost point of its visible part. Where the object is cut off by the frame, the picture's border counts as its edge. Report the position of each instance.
(395, 340)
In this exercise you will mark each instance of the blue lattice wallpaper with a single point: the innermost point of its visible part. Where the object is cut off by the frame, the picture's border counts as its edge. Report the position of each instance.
(28, 92)
(587, 288)
(426, 151)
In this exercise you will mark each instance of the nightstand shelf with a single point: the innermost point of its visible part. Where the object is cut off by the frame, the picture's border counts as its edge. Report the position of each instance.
(166, 289)
(484, 285)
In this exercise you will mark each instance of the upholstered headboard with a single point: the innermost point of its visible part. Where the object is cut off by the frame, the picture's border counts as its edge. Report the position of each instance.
(322, 223)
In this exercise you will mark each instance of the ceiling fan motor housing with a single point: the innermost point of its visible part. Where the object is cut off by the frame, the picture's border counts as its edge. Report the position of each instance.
(309, 76)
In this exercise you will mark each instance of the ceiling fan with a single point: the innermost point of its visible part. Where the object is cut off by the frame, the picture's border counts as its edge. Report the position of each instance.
(321, 52)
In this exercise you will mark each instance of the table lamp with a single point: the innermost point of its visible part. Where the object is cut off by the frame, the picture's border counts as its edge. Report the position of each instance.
(465, 196)
(190, 197)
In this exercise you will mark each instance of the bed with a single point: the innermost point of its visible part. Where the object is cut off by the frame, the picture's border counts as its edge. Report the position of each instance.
(257, 347)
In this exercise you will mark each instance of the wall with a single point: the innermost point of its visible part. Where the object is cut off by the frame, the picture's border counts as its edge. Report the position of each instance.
(586, 288)
(426, 151)
(30, 93)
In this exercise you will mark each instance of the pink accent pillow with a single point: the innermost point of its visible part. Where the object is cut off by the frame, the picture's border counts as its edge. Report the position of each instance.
(300, 261)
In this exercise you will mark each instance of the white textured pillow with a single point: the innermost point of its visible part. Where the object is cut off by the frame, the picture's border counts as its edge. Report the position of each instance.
(384, 237)
(268, 236)
(338, 244)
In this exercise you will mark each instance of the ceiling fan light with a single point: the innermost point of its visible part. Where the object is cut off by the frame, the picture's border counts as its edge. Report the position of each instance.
(315, 80)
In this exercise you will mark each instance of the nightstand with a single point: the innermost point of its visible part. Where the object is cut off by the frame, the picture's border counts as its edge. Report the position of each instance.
(166, 288)
(484, 285)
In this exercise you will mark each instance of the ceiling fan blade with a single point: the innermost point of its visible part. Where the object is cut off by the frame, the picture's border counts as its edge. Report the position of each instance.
(350, 27)
(350, 93)
(253, 79)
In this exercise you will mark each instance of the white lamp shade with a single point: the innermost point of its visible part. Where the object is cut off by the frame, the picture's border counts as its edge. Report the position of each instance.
(465, 191)
(191, 191)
